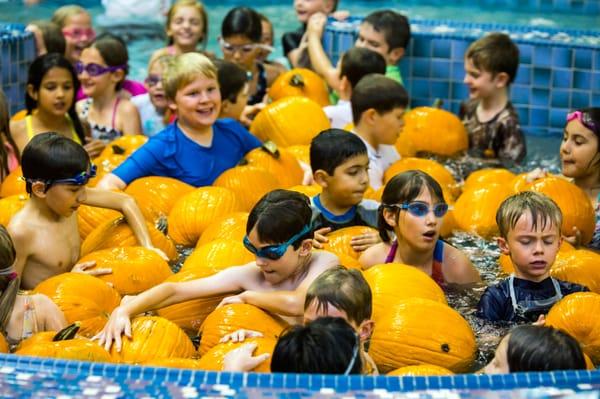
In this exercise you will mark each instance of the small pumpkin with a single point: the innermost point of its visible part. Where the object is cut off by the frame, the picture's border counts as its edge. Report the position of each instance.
(218, 255)
(124, 145)
(228, 227)
(282, 164)
(421, 370)
(475, 210)
(9, 206)
(300, 82)
(13, 184)
(249, 183)
(339, 240)
(432, 168)
(213, 358)
(3, 344)
(105, 165)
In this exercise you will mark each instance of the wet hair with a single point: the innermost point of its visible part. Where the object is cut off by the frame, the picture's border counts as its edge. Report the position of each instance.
(54, 40)
(279, 215)
(594, 114)
(9, 281)
(37, 70)
(232, 79)
(543, 348)
(344, 289)
(113, 51)
(394, 26)
(358, 62)
(242, 21)
(378, 92)
(332, 147)
(63, 13)
(541, 208)
(495, 53)
(51, 156)
(328, 345)
(201, 10)
(185, 69)
(403, 188)
(5, 136)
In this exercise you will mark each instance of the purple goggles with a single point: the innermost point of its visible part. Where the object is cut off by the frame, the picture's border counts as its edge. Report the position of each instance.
(585, 119)
(95, 69)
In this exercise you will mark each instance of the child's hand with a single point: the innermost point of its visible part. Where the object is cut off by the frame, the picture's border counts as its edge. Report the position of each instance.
(575, 238)
(364, 241)
(241, 359)
(118, 324)
(320, 238)
(232, 299)
(126, 299)
(536, 174)
(307, 178)
(316, 24)
(94, 148)
(240, 335)
(250, 112)
(341, 15)
(541, 321)
(83, 268)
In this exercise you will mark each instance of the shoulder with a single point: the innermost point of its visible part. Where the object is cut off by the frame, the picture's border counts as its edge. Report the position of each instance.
(568, 287)
(272, 72)
(126, 107)
(374, 255)
(17, 126)
(323, 260)
(19, 229)
(234, 130)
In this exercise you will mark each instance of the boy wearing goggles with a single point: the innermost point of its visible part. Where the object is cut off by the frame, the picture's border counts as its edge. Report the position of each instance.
(45, 231)
(529, 225)
(278, 232)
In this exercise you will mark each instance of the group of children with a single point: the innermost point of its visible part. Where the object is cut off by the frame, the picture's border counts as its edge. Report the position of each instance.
(288, 278)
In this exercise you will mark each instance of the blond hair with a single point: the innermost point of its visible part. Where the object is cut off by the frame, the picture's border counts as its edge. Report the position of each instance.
(189, 3)
(540, 207)
(61, 15)
(184, 70)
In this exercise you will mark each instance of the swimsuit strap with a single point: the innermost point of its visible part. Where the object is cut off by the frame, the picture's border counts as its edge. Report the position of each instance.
(73, 132)
(511, 293)
(392, 254)
(556, 287)
(29, 126)
(261, 85)
(436, 266)
(114, 113)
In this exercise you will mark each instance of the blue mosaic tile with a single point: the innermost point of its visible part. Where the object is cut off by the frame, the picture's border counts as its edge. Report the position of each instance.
(525, 53)
(583, 59)
(440, 69)
(421, 67)
(520, 94)
(539, 117)
(440, 49)
(557, 118)
(561, 57)
(524, 75)
(540, 97)
(542, 56)
(582, 80)
(420, 88)
(420, 102)
(562, 78)
(596, 81)
(541, 77)
(523, 112)
(458, 71)
(459, 48)
(560, 99)
(440, 89)
(580, 99)
(421, 47)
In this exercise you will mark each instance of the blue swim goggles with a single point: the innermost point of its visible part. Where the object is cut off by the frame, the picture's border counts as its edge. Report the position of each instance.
(274, 252)
(421, 209)
(79, 179)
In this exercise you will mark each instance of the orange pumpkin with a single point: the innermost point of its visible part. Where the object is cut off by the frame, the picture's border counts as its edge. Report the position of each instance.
(230, 318)
(394, 282)
(9, 206)
(405, 146)
(300, 82)
(283, 165)
(421, 370)
(90, 217)
(19, 115)
(485, 177)
(374, 194)
(124, 145)
(134, 269)
(13, 184)
(175, 362)
(74, 349)
(195, 211)
(3, 344)
(105, 165)
(82, 298)
(300, 152)
(432, 168)
(228, 227)
(435, 131)
(507, 266)
(421, 331)
(577, 314)
(278, 121)
(117, 233)
(475, 210)
(154, 338)
(349, 262)
(156, 195)
(218, 255)
(249, 183)
(309, 191)
(339, 240)
(578, 266)
(213, 358)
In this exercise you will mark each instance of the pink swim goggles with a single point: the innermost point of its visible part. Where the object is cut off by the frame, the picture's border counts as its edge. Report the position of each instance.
(585, 119)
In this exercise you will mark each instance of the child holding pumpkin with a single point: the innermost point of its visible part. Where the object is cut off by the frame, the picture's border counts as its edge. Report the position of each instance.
(412, 207)
(45, 232)
(529, 225)
(279, 233)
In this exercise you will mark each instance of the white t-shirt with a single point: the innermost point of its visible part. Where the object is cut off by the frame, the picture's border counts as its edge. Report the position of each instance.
(379, 161)
(123, 9)
(152, 121)
(340, 114)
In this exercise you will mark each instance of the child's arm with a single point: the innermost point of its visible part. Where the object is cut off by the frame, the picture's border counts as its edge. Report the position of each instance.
(19, 134)
(318, 58)
(111, 182)
(21, 237)
(460, 269)
(129, 115)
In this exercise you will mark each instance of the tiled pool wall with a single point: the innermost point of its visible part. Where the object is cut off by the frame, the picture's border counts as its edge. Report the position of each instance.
(559, 68)
(17, 51)
(571, 6)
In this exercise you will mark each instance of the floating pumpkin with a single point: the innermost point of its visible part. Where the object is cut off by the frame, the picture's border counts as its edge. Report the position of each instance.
(421, 370)
(154, 338)
(577, 315)
(281, 164)
(233, 317)
(156, 195)
(249, 183)
(228, 227)
(578, 266)
(300, 152)
(435, 131)
(374, 194)
(485, 177)
(339, 240)
(3, 344)
(105, 165)
(475, 210)
(349, 262)
(9, 206)
(218, 255)
(507, 266)
(74, 349)
(405, 146)
(134, 269)
(421, 331)
(432, 168)
(309, 191)
(90, 217)
(175, 362)
(13, 184)
(19, 115)
(393, 282)
(290, 121)
(195, 211)
(124, 145)
(300, 82)
(213, 358)
(117, 233)
(82, 298)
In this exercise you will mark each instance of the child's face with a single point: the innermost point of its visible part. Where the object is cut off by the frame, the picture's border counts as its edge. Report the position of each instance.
(241, 50)
(482, 84)
(306, 8)
(266, 38)
(579, 151)
(56, 92)
(155, 88)
(388, 126)
(369, 38)
(349, 182)
(198, 103)
(186, 26)
(96, 85)
(234, 110)
(499, 364)
(78, 34)
(64, 199)
(532, 251)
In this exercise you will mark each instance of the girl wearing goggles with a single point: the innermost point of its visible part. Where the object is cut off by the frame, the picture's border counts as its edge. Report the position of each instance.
(76, 26)
(413, 208)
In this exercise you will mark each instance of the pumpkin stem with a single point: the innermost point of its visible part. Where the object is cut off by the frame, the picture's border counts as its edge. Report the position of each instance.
(270, 148)
(68, 332)
(297, 80)
(437, 103)
(118, 150)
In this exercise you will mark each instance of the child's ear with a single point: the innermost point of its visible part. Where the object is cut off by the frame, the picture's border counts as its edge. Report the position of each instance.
(32, 93)
(389, 215)
(395, 55)
(501, 79)
(306, 247)
(365, 330)
(38, 189)
(118, 76)
(225, 105)
(321, 177)
(369, 116)
(171, 105)
(503, 245)
(345, 85)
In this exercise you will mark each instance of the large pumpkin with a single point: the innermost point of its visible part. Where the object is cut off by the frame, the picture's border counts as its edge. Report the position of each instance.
(105, 165)
(82, 298)
(134, 269)
(578, 266)
(156, 195)
(13, 184)
(301, 152)
(218, 255)
(3, 344)
(282, 164)
(577, 314)
(228, 227)
(421, 370)
(90, 217)
(394, 282)
(300, 82)
(432, 168)
(475, 210)
(11, 205)
(249, 183)
(435, 131)
(421, 331)
(124, 145)
(484, 177)
(213, 358)
(154, 338)
(290, 121)
(339, 240)
(230, 318)
(117, 233)
(74, 349)
(309, 191)
(195, 211)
